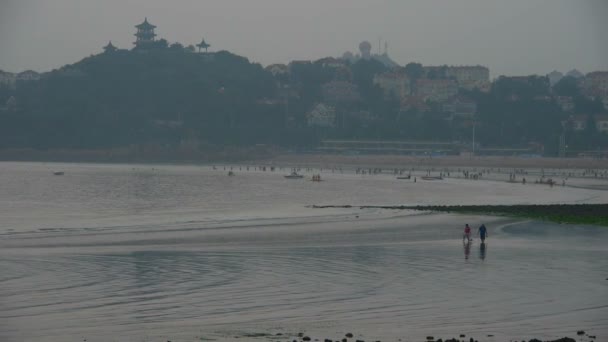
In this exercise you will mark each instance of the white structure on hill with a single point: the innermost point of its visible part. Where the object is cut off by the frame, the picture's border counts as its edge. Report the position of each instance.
(322, 116)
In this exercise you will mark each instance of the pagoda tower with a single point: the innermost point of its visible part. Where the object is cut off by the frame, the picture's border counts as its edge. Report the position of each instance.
(145, 34)
(203, 45)
(109, 48)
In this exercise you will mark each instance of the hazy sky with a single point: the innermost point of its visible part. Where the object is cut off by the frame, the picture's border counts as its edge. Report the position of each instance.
(512, 37)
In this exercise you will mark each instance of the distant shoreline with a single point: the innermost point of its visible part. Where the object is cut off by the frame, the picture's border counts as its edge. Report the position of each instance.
(265, 155)
(399, 161)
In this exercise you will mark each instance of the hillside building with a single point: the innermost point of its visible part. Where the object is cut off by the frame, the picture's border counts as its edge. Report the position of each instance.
(203, 45)
(109, 48)
(322, 115)
(469, 77)
(28, 75)
(596, 84)
(436, 90)
(7, 79)
(393, 83)
(580, 122)
(460, 106)
(566, 103)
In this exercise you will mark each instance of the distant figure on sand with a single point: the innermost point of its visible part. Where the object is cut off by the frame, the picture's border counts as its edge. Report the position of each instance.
(483, 232)
(467, 233)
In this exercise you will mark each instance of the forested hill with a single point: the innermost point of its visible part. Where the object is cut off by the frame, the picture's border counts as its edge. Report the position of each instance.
(173, 98)
(134, 97)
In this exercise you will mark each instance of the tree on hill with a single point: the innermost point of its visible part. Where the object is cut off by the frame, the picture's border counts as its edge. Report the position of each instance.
(414, 70)
(567, 86)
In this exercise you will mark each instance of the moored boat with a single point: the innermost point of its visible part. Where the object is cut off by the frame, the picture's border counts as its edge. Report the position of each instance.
(294, 175)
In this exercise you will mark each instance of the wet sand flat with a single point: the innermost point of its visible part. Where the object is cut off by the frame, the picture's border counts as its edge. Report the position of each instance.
(135, 254)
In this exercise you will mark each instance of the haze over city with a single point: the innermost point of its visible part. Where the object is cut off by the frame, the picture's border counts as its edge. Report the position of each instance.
(512, 38)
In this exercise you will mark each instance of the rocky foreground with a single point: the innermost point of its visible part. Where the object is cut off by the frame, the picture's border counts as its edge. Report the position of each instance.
(582, 336)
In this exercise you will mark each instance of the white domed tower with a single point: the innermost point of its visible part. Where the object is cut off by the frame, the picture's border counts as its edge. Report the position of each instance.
(366, 49)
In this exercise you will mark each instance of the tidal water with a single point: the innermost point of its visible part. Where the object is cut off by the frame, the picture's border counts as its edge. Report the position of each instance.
(186, 253)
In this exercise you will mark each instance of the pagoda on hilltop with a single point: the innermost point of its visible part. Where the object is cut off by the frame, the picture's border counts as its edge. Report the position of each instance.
(109, 48)
(145, 34)
(203, 45)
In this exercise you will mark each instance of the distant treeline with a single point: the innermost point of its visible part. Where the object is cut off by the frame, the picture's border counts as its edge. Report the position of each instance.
(173, 97)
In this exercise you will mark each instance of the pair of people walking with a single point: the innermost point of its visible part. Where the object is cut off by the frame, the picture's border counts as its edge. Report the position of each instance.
(482, 232)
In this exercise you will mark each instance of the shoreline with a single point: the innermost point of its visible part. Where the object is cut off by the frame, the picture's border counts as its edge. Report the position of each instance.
(398, 161)
(266, 155)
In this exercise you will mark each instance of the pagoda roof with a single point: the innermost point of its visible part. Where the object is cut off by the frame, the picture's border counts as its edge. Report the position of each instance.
(145, 25)
(203, 44)
(110, 46)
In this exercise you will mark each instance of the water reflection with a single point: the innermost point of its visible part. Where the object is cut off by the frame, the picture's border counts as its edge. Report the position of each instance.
(467, 249)
(482, 251)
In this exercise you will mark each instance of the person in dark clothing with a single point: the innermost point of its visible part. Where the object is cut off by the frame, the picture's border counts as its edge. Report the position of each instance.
(483, 232)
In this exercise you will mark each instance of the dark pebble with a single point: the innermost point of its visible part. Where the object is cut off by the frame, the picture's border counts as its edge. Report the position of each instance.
(471, 340)
(360, 341)
(593, 337)
(344, 340)
(328, 340)
(430, 338)
(535, 340)
(564, 339)
(463, 335)
(439, 340)
(305, 338)
(349, 335)
(580, 332)
(279, 334)
(300, 334)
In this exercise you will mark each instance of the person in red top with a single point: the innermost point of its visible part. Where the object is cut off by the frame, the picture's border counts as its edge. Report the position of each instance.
(467, 233)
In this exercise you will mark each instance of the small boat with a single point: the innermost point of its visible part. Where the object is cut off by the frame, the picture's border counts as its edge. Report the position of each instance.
(58, 173)
(294, 175)
(431, 178)
(405, 177)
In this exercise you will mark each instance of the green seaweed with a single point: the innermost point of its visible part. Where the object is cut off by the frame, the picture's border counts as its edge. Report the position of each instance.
(588, 214)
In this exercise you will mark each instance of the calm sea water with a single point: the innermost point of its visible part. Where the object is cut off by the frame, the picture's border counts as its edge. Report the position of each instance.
(155, 253)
